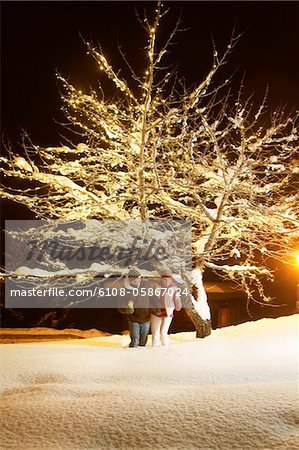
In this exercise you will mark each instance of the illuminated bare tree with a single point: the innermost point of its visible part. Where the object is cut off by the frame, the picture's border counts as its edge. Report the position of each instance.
(159, 150)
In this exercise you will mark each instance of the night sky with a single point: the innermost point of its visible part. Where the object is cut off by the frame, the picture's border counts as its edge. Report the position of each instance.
(41, 37)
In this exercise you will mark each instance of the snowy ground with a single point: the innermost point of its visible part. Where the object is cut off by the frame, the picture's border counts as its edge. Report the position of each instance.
(236, 389)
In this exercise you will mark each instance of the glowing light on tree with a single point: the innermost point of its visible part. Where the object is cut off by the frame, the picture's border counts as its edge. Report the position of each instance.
(160, 150)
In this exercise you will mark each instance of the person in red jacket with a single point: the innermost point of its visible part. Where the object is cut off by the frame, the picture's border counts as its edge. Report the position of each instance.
(161, 317)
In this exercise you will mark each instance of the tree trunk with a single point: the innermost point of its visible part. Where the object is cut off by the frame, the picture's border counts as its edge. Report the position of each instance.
(197, 308)
(203, 327)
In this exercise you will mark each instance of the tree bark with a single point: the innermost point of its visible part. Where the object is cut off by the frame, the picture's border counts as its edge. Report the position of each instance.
(197, 307)
(203, 326)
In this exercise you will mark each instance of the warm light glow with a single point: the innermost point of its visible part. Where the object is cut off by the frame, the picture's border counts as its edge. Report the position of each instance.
(172, 152)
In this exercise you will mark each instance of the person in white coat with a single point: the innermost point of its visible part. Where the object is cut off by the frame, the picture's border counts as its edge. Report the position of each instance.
(162, 316)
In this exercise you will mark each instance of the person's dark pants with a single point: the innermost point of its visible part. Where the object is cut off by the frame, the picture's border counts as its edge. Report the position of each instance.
(138, 333)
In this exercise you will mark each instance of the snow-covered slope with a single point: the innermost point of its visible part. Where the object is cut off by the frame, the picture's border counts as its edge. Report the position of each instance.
(236, 389)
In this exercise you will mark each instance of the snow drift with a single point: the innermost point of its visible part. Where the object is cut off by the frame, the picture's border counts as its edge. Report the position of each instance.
(234, 390)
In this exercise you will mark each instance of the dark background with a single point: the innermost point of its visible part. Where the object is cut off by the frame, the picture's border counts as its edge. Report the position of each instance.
(39, 37)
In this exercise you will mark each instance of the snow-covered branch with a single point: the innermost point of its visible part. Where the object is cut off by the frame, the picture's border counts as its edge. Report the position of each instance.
(158, 150)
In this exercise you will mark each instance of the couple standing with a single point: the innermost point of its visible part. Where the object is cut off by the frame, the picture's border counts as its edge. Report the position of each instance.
(142, 318)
